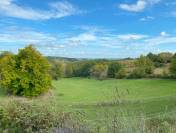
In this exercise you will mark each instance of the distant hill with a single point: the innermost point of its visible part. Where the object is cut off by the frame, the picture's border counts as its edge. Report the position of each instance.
(84, 59)
(61, 58)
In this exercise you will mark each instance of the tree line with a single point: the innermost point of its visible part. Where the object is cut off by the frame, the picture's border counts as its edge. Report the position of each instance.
(29, 73)
(142, 67)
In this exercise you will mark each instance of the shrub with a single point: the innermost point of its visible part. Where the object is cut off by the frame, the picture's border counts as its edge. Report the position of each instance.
(173, 67)
(99, 71)
(137, 73)
(120, 74)
(25, 74)
(145, 64)
(68, 70)
(113, 69)
(57, 70)
(24, 117)
(144, 67)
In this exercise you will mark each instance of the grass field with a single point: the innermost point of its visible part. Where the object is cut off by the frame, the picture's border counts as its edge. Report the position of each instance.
(151, 97)
(95, 98)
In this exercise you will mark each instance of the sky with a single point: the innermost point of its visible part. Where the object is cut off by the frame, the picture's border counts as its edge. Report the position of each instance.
(89, 28)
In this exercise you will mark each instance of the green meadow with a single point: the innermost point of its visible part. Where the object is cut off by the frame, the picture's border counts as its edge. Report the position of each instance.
(98, 101)
(90, 95)
(148, 96)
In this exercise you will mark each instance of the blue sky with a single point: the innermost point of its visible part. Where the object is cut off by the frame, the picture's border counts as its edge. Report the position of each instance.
(89, 28)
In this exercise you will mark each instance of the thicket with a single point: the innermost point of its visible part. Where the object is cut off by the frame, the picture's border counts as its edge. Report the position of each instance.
(24, 117)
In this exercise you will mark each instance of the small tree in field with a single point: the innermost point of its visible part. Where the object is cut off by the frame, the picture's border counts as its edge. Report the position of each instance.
(26, 73)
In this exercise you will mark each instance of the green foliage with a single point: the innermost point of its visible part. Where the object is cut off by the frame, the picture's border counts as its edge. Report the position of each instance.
(161, 58)
(120, 74)
(138, 73)
(99, 71)
(145, 63)
(5, 53)
(113, 69)
(144, 66)
(173, 67)
(165, 57)
(68, 70)
(82, 68)
(18, 117)
(57, 70)
(8, 72)
(25, 74)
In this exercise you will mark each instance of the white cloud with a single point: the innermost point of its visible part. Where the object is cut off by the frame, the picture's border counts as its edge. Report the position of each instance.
(84, 37)
(163, 33)
(81, 39)
(131, 44)
(139, 6)
(57, 10)
(127, 37)
(147, 18)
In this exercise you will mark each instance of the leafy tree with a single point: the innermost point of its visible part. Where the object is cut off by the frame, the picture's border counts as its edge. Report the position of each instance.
(8, 72)
(57, 70)
(145, 63)
(28, 73)
(113, 69)
(120, 74)
(4, 53)
(173, 67)
(165, 57)
(69, 70)
(82, 68)
(144, 66)
(160, 59)
(99, 71)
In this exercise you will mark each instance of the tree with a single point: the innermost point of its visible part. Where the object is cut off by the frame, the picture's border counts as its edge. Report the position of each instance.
(57, 70)
(173, 67)
(165, 57)
(8, 73)
(29, 72)
(5, 53)
(120, 74)
(143, 66)
(99, 71)
(68, 70)
(113, 69)
(160, 59)
(145, 63)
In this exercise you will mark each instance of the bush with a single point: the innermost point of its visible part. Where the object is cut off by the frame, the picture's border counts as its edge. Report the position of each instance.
(99, 71)
(25, 74)
(113, 69)
(24, 117)
(57, 70)
(173, 67)
(137, 73)
(120, 74)
(144, 67)
(68, 70)
(145, 64)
